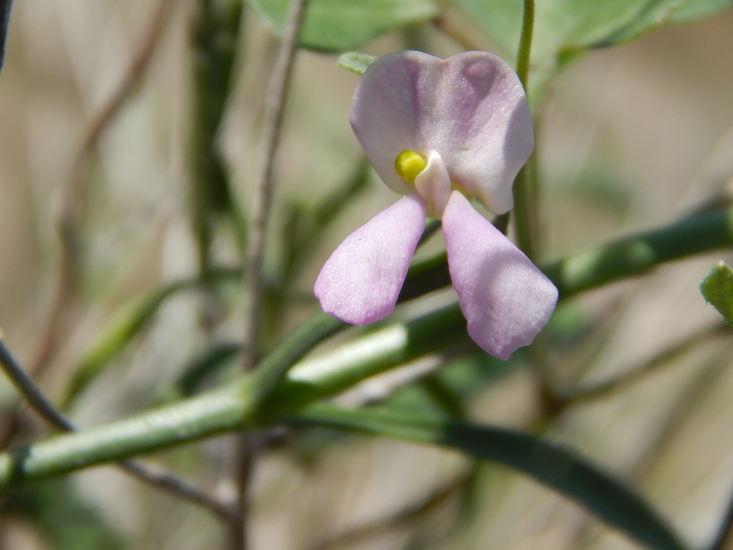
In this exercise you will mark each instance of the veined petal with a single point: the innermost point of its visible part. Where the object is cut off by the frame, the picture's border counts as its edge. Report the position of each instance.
(505, 298)
(362, 279)
(483, 127)
(470, 108)
(390, 101)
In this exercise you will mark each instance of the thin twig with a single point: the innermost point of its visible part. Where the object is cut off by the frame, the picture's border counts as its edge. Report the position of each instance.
(656, 362)
(410, 514)
(273, 118)
(252, 283)
(151, 475)
(154, 475)
(525, 44)
(526, 210)
(71, 212)
(74, 196)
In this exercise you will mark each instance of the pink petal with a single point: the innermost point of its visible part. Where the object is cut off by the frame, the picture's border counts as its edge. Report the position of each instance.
(503, 295)
(470, 108)
(483, 129)
(361, 280)
(392, 98)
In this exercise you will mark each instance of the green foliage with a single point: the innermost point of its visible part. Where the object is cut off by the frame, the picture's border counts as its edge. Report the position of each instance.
(717, 288)
(62, 517)
(565, 28)
(551, 464)
(663, 12)
(355, 62)
(697, 9)
(340, 25)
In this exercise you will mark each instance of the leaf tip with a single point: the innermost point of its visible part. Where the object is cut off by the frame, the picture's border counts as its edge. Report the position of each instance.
(356, 62)
(717, 290)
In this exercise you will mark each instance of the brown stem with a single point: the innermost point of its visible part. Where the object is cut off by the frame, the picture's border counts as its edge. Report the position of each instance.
(252, 283)
(72, 209)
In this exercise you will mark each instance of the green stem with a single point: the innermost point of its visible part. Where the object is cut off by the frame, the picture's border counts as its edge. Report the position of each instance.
(276, 365)
(525, 199)
(349, 364)
(235, 407)
(203, 416)
(618, 260)
(524, 211)
(638, 253)
(525, 43)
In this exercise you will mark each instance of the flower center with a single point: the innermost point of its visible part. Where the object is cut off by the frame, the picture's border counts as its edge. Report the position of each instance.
(409, 164)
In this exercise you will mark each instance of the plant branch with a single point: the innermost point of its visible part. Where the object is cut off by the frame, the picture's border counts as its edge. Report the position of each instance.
(233, 407)
(639, 253)
(148, 474)
(620, 259)
(525, 44)
(72, 205)
(74, 194)
(274, 113)
(253, 281)
(525, 196)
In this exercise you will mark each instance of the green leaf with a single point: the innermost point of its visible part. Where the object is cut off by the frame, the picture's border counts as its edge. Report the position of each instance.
(355, 62)
(664, 12)
(697, 9)
(717, 289)
(341, 25)
(551, 464)
(565, 28)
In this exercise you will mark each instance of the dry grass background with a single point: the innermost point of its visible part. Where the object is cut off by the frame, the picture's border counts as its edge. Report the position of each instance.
(631, 138)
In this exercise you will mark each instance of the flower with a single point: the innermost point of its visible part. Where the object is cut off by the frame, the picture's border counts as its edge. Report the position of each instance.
(439, 131)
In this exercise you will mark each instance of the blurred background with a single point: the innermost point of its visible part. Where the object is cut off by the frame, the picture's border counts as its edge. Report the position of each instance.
(629, 138)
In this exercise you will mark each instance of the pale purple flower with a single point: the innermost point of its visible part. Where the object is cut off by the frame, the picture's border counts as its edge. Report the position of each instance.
(439, 131)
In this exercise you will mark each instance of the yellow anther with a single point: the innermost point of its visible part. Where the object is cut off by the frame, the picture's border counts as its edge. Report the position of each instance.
(409, 164)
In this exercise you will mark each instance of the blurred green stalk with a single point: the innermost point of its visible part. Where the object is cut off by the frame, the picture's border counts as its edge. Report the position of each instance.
(526, 210)
(215, 38)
